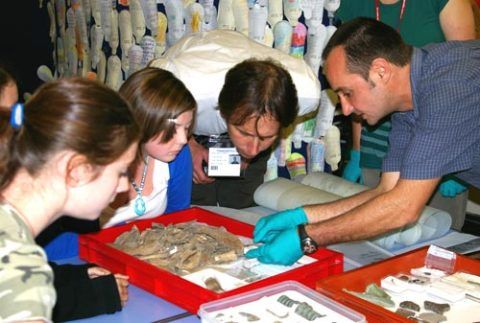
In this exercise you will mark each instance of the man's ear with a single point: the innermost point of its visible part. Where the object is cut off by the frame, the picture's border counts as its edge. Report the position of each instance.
(79, 171)
(380, 70)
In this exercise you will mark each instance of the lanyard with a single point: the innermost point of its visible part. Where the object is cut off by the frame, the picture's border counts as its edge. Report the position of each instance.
(402, 11)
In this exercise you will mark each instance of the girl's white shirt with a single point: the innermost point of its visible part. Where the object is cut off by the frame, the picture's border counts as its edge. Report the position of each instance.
(155, 202)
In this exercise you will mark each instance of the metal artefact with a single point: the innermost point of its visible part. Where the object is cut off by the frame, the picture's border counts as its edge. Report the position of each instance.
(181, 248)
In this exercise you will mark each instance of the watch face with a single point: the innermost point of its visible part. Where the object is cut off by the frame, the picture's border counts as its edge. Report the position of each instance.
(309, 247)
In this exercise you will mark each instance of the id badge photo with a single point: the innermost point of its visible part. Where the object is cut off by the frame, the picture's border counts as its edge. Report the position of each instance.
(223, 158)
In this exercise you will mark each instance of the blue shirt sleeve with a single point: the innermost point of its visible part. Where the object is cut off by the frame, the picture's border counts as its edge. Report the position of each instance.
(440, 136)
(179, 191)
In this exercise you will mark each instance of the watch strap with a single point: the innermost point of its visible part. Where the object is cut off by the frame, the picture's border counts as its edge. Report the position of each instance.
(307, 244)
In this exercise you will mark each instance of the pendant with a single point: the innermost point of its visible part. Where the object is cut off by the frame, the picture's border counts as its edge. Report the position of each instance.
(140, 206)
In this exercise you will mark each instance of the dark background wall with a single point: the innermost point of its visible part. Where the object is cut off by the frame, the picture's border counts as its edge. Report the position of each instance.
(24, 41)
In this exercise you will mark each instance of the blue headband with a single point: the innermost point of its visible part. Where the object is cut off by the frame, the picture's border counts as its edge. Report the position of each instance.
(16, 116)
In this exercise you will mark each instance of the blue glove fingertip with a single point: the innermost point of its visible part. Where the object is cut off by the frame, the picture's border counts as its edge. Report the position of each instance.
(253, 253)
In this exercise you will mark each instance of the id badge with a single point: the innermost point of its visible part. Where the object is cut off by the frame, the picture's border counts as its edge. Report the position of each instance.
(223, 158)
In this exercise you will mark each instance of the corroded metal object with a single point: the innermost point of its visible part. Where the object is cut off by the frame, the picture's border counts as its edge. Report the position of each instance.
(181, 248)
(429, 317)
(214, 285)
(436, 307)
(279, 315)
(373, 293)
(409, 305)
(250, 317)
(306, 311)
(287, 301)
(404, 312)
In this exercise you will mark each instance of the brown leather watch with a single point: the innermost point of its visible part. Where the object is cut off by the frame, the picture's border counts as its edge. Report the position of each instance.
(307, 244)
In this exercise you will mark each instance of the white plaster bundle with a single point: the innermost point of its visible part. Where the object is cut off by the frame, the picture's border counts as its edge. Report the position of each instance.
(325, 115)
(433, 223)
(281, 194)
(268, 36)
(333, 184)
(194, 17)
(114, 36)
(316, 41)
(81, 28)
(135, 57)
(71, 22)
(191, 59)
(332, 147)
(114, 72)
(96, 38)
(210, 15)
(126, 36)
(106, 17)
(60, 9)
(101, 67)
(292, 10)
(149, 8)
(53, 25)
(61, 59)
(161, 37)
(257, 20)
(175, 16)
(138, 20)
(282, 32)
(225, 20)
(331, 6)
(87, 11)
(97, 17)
(148, 46)
(275, 12)
(313, 13)
(240, 15)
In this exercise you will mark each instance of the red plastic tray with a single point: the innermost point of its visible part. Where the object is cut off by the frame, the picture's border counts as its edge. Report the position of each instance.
(357, 280)
(94, 248)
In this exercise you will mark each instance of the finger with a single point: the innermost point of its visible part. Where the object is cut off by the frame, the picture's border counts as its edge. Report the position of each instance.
(259, 225)
(254, 253)
(201, 177)
(122, 282)
(208, 180)
(117, 275)
(261, 234)
(94, 272)
(270, 236)
(124, 294)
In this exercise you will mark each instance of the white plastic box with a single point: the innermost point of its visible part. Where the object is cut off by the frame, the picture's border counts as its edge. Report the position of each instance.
(263, 303)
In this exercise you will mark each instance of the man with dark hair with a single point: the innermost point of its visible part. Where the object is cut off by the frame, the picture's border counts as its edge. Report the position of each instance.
(257, 100)
(433, 93)
(246, 93)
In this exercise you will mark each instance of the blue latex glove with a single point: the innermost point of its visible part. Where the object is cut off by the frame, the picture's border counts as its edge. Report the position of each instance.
(284, 249)
(451, 188)
(352, 171)
(268, 227)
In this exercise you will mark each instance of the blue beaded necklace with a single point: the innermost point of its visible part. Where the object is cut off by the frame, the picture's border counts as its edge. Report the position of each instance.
(139, 206)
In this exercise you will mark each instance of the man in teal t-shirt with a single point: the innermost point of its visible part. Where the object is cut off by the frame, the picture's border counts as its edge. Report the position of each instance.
(419, 23)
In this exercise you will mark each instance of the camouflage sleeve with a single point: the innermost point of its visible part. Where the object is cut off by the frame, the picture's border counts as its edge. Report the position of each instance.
(26, 280)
